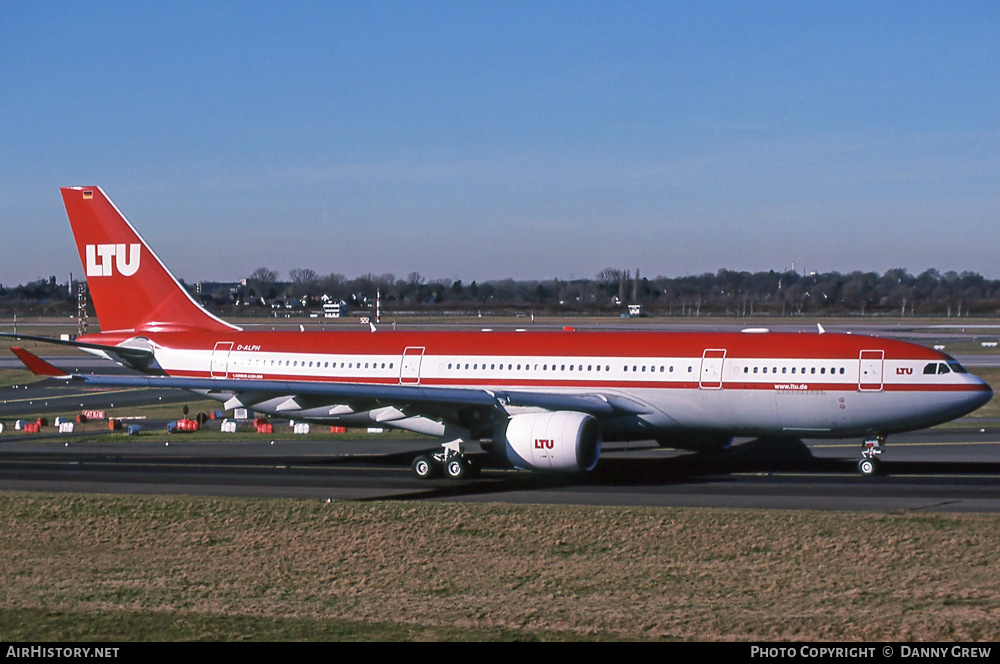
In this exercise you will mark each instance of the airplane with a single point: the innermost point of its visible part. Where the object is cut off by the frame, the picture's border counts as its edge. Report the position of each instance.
(542, 400)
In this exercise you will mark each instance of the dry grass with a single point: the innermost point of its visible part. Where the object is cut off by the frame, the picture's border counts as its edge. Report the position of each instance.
(539, 571)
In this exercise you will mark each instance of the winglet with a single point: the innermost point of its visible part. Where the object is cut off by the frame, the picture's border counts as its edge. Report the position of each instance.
(37, 365)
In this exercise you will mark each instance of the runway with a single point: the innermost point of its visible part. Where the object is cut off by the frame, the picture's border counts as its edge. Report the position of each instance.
(935, 470)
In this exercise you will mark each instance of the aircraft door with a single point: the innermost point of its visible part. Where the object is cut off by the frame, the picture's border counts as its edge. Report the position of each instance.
(220, 359)
(409, 368)
(712, 361)
(870, 370)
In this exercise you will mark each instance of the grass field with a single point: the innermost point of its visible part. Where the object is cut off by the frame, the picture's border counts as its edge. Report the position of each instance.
(152, 568)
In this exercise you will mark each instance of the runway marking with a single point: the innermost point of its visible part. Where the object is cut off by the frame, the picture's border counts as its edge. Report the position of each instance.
(895, 445)
(861, 479)
(96, 393)
(181, 462)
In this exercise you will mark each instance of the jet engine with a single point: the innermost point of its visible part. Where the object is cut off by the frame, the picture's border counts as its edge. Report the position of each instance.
(560, 441)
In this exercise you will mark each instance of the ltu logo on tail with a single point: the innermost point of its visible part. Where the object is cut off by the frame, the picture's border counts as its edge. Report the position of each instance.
(99, 259)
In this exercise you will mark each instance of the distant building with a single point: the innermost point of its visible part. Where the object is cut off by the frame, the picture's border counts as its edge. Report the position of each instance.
(334, 309)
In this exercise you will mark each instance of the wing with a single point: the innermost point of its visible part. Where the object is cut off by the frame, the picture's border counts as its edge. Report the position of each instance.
(394, 405)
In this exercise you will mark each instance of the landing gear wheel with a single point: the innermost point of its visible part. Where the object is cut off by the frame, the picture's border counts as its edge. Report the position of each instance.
(456, 468)
(424, 467)
(869, 467)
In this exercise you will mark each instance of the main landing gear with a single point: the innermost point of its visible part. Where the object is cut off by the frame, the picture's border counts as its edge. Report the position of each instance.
(871, 449)
(451, 461)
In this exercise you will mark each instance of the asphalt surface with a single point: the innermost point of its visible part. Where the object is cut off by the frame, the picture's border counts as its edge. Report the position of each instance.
(934, 470)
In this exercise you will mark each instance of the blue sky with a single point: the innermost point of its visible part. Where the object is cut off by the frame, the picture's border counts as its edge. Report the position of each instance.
(482, 140)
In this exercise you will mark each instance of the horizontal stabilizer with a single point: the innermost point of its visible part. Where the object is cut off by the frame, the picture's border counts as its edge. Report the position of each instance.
(37, 365)
(136, 358)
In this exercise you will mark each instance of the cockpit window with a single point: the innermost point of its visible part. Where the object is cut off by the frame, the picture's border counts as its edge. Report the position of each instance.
(943, 368)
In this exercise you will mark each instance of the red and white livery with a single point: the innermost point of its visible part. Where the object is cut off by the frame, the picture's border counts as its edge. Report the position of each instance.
(546, 400)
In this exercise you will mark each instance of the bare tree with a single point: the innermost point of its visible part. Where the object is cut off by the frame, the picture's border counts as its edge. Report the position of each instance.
(263, 275)
(303, 276)
(609, 276)
(262, 281)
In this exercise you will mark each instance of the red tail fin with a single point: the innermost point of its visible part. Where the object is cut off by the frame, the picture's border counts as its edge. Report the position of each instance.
(130, 287)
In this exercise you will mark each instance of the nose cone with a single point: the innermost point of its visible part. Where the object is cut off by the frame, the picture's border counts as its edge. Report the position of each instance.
(972, 393)
(981, 396)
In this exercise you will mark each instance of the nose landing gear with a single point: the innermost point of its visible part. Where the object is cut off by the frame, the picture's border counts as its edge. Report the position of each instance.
(870, 464)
